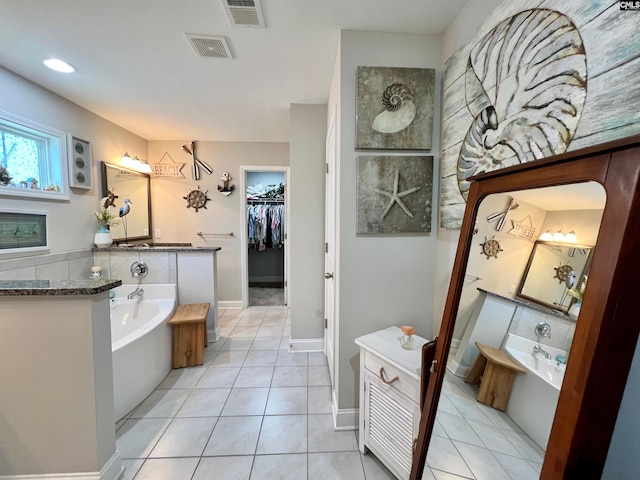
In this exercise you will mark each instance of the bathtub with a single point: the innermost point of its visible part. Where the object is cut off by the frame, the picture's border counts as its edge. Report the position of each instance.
(141, 342)
(535, 393)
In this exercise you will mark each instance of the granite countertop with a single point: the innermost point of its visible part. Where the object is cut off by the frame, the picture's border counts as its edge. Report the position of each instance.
(158, 248)
(531, 305)
(56, 287)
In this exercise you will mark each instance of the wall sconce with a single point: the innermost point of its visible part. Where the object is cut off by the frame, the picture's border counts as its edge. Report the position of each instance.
(571, 237)
(558, 236)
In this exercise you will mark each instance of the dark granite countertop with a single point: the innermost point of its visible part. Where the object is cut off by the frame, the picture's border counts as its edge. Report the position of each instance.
(56, 287)
(531, 305)
(158, 248)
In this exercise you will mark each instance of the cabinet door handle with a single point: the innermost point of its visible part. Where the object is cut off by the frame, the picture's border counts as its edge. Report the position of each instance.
(388, 382)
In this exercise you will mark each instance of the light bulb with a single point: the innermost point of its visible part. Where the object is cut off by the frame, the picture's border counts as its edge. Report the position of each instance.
(546, 236)
(558, 236)
(571, 237)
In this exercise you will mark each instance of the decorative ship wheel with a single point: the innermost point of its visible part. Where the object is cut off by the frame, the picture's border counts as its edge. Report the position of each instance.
(197, 198)
(563, 272)
(491, 247)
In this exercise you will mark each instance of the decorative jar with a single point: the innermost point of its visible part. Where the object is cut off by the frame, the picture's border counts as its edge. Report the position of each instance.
(102, 238)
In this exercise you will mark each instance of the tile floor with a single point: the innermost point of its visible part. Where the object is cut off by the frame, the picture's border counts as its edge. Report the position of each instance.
(266, 296)
(255, 411)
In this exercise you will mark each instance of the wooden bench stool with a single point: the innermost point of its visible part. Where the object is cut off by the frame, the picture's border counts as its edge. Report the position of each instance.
(189, 334)
(498, 372)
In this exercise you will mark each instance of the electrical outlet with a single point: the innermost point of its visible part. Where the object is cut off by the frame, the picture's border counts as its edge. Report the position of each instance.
(157, 233)
(512, 289)
(145, 231)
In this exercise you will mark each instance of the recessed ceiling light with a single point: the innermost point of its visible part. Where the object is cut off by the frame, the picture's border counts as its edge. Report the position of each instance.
(59, 65)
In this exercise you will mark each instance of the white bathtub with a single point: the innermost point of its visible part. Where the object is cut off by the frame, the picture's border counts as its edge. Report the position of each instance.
(535, 393)
(141, 342)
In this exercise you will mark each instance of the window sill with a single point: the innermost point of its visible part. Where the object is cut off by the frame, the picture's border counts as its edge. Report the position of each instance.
(29, 193)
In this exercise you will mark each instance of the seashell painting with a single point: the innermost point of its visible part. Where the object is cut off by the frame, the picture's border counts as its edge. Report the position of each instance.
(525, 86)
(394, 108)
(399, 110)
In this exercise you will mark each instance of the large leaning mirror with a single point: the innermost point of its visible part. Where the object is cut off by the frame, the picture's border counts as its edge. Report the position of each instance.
(456, 422)
(135, 186)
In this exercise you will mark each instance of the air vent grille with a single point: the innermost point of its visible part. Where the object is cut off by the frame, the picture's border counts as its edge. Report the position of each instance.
(244, 13)
(209, 45)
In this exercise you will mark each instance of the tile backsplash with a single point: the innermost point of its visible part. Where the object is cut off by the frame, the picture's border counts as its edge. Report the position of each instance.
(74, 265)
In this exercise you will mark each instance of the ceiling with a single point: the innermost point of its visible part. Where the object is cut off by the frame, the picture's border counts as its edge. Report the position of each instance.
(136, 68)
(575, 196)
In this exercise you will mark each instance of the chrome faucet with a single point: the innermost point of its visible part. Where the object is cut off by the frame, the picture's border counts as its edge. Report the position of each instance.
(138, 292)
(539, 349)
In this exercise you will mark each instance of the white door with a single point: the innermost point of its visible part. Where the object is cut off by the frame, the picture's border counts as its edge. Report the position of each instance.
(330, 246)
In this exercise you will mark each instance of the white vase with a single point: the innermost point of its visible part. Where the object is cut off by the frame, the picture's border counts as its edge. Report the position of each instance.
(574, 311)
(102, 238)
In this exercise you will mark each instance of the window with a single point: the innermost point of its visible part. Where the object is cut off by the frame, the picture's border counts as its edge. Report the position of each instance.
(32, 159)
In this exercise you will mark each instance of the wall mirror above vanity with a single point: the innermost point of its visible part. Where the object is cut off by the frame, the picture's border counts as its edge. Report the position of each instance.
(550, 265)
(136, 186)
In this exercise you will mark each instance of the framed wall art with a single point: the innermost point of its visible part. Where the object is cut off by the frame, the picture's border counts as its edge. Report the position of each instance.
(79, 163)
(21, 231)
(394, 108)
(394, 195)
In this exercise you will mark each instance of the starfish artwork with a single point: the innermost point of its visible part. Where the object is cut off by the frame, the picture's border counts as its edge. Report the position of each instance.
(395, 196)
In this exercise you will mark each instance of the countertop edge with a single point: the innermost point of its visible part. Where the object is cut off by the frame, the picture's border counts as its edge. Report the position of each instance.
(38, 288)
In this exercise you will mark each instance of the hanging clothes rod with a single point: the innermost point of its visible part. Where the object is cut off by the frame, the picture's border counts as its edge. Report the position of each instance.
(230, 234)
(265, 200)
(475, 278)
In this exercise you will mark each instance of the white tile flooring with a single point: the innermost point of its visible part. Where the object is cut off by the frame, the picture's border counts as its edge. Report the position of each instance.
(255, 411)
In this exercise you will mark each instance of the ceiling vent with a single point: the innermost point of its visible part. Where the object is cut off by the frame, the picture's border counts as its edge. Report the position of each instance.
(244, 13)
(209, 45)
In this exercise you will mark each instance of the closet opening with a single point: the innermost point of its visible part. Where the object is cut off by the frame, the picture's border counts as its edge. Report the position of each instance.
(265, 269)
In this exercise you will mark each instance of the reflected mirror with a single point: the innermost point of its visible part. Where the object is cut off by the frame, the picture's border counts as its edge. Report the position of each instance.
(135, 186)
(552, 267)
(491, 311)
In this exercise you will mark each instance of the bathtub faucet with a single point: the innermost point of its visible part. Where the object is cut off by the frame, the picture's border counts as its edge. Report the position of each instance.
(138, 292)
(539, 349)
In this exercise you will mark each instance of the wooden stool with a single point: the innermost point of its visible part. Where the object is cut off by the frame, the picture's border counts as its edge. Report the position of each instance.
(189, 333)
(498, 373)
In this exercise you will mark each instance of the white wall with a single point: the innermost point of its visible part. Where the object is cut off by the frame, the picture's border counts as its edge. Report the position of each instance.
(72, 224)
(307, 163)
(384, 280)
(177, 223)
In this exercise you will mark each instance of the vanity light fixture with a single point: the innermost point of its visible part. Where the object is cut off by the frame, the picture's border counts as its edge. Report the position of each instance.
(59, 65)
(546, 236)
(144, 167)
(558, 236)
(571, 237)
(126, 161)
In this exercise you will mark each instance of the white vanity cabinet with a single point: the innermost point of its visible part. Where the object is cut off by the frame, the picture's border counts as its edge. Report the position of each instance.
(389, 398)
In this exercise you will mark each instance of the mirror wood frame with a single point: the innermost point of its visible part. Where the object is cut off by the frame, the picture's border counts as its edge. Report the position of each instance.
(105, 192)
(607, 333)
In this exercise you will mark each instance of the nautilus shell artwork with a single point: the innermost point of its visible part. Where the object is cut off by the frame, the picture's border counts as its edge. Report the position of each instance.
(525, 86)
(399, 109)
(394, 108)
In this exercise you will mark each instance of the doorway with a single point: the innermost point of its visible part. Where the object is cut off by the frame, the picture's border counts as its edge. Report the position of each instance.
(264, 244)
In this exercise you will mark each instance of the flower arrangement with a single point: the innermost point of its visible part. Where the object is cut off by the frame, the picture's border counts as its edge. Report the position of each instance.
(104, 216)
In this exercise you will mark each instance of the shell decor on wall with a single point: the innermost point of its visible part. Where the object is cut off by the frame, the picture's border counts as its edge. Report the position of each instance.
(394, 108)
(525, 86)
(399, 110)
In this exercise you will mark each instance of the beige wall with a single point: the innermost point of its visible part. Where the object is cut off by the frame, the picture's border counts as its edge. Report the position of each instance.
(306, 232)
(177, 223)
(383, 280)
(72, 224)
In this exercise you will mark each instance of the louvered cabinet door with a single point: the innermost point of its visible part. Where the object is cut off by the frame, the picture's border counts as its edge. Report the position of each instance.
(390, 424)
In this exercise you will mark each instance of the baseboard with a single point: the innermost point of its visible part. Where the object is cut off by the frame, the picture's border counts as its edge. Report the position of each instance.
(345, 419)
(306, 345)
(213, 335)
(455, 343)
(229, 304)
(112, 470)
(454, 367)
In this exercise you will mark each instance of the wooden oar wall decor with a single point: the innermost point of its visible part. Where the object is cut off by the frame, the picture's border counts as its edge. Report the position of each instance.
(197, 163)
